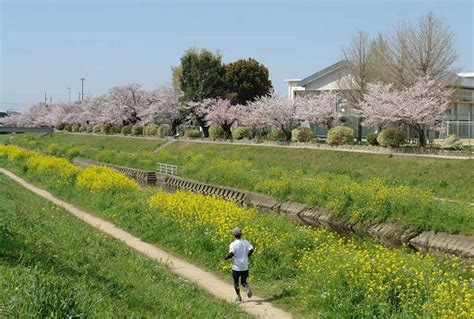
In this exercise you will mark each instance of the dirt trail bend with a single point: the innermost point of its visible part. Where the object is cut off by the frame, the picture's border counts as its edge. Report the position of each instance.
(256, 306)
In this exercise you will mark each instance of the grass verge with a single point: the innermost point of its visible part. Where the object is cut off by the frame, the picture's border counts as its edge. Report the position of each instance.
(52, 265)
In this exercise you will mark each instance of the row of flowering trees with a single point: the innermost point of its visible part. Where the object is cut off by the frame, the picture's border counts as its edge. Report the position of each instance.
(420, 107)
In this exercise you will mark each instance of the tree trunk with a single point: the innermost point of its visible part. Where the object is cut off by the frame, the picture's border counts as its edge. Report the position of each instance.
(421, 137)
(227, 130)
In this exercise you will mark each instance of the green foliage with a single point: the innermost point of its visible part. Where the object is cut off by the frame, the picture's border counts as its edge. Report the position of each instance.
(452, 142)
(201, 75)
(60, 126)
(75, 127)
(89, 128)
(216, 132)
(163, 130)
(126, 130)
(106, 128)
(137, 129)
(116, 129)
(302, 134)
(340, 135)
(192, 133)
(53, 265)
(391, 137)
(372, 138)
(97, 128)
(67, 127)
(245, 80)
(277, 135)
(240, 133)
(150, 129)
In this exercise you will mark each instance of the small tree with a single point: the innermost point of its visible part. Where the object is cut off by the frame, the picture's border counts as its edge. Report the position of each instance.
(321, 108)
(246, 80)
(222, 112)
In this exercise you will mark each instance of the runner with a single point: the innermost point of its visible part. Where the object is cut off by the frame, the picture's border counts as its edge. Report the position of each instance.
(240, 250)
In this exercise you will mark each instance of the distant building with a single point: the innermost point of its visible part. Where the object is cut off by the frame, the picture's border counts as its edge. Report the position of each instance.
(460, 113)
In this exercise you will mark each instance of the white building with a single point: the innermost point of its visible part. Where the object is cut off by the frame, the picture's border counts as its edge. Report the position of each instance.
(460, 114)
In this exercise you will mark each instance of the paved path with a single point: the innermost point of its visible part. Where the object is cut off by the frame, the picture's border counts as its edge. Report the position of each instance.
(219, 288)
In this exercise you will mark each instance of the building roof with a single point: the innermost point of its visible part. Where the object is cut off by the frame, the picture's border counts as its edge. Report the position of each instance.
(321, 73)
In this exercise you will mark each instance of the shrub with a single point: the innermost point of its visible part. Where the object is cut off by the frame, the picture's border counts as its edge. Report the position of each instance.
(126, 130)
(452, 142)
(106, 128)
(163, 130)
(216, 131)
(277, 135)
(137, 129)
(75, 127)
(89, 128)
(83, 128)
(116, 128)
(150, 129)
(96, 128)
(340, 135)
(60, 126)
(392, 137)
(302, 134)
(372, 138)
(67, 127)
(240, 133)
(192, 133)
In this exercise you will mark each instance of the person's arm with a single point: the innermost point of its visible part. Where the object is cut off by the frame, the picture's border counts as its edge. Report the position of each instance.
(250, 252)
(229, 256)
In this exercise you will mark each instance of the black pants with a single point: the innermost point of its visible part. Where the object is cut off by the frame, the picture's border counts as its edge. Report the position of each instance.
(240, 274)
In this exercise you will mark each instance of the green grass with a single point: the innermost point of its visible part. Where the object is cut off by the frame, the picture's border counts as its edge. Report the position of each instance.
(53, 265)
(312, 272)
(342, 182)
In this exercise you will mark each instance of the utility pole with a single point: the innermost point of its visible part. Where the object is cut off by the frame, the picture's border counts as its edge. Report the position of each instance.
(45, 98)
(82, 88)
(79, 98)
(69, 94)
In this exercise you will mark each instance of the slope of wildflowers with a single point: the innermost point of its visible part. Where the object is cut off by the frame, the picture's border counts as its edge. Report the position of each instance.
(314, 177)
(313, 272)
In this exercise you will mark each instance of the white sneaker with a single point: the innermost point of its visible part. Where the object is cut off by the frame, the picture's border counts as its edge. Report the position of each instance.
(238, 299)
(249, 290)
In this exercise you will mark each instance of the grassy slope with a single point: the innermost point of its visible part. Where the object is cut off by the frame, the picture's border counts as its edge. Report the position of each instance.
(52, 262)
(447, 177)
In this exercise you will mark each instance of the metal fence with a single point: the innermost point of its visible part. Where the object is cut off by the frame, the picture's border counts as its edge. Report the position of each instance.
(463, 129)
(167, 169)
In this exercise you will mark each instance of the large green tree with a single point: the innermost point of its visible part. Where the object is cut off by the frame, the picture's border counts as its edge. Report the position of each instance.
(202, 75)
(245, 80)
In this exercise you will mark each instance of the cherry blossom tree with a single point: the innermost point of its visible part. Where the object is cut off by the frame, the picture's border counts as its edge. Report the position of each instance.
(223, 113)
(421, 107)
(163, 106)
(320, 109)
(123, 104)
(275, 110)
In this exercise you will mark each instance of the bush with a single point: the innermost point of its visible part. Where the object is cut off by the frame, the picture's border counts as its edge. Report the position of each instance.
(372, 138)
(89, 128)
(452, 142)
(116, 128)
(106, 128)
(150, 129)
(137, 129)
(83, 128)
(192, 133)
(75, 127)
(96, 128)
(302, 134)
(392, 137)
(60, 126)
(126, 130)
(276, 135)
(216, 131)
(240, 133)
(340, 135)
(67, 127)
(163, 130)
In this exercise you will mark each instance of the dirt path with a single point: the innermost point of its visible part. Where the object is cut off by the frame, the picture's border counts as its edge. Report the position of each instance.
(256, 306)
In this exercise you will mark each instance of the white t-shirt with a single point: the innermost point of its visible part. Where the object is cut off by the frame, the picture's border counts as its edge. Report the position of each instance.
(241, 249)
